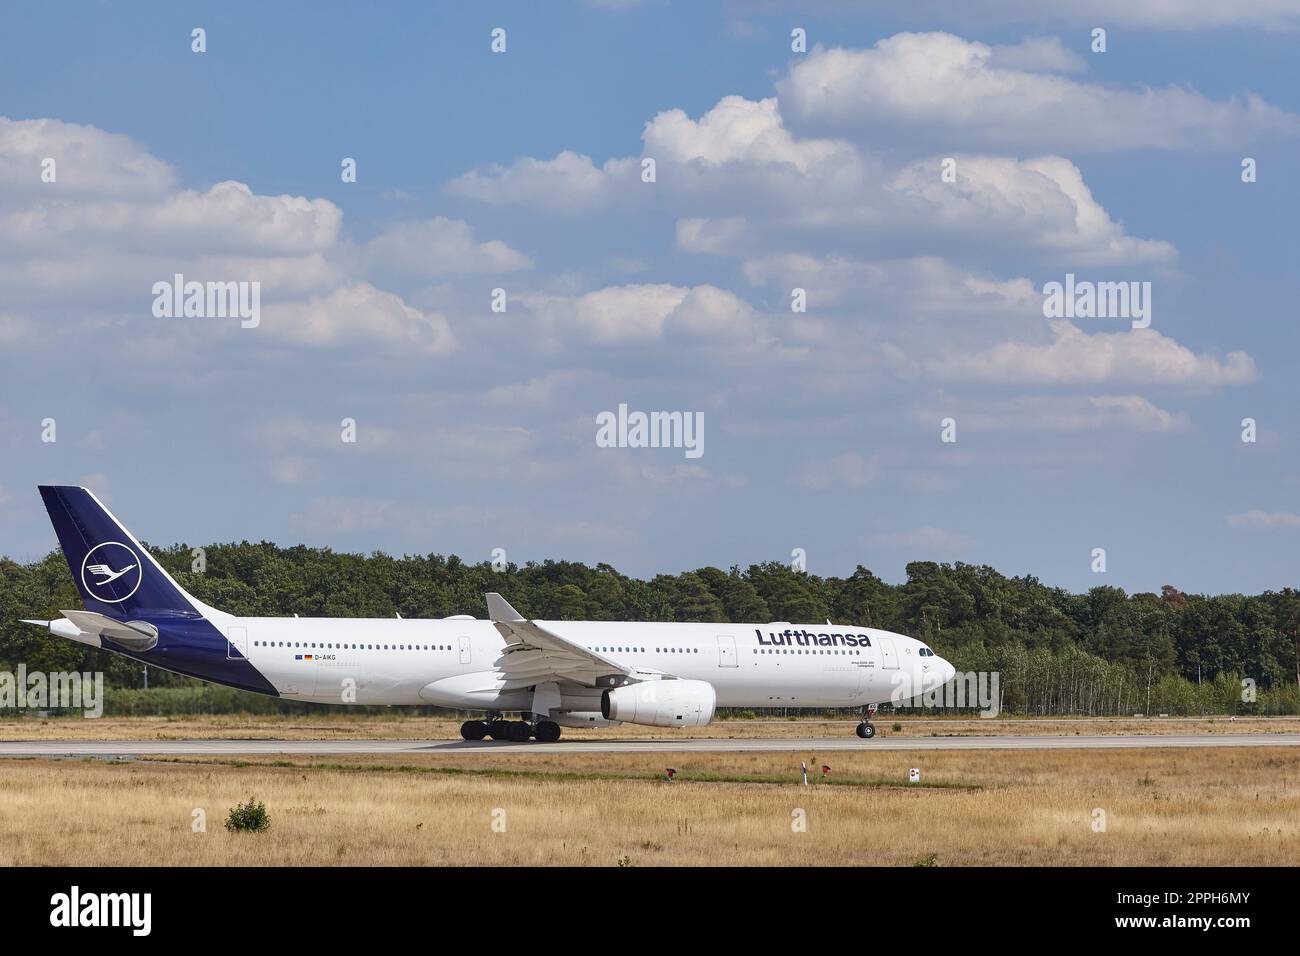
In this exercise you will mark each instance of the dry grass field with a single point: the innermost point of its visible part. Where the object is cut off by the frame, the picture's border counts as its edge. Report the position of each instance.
(1162, 807)
(340, 725)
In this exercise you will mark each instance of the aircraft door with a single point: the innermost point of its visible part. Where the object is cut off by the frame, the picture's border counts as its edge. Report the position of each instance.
(888, 653)
(236, 643)
(465, 649)
(727, 651)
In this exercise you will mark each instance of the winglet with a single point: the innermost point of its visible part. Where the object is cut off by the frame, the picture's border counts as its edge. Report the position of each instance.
(499, 609)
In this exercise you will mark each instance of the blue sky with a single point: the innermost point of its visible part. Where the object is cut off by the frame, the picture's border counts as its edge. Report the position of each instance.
(775, 169)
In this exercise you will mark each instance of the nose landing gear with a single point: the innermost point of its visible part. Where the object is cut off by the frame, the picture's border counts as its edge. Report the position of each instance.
(865, 729)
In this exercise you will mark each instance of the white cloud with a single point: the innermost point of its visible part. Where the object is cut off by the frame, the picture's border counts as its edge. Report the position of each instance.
(332, 515)
(87, 250)
(710, 312)
(946, 86)
(358, 314)
(289, 470)
(1043, 200)
(463, 450)
(741, 182)
(924, 318)
(647, 476)
(1038, 54)
(926, 541)
(711, 235)
(1149, 14)
(1256, 518)
(88, 161)
(438, 247)
(921, 284)
(227, 219)
(625, 313)
(15, 329)
(569, 183)
(537, 392)
(642, 313)
(230, 217)
(1074, 357)
(735, 130)
(1061, 413)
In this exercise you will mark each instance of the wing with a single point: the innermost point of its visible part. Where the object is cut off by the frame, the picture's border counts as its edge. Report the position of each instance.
(99, 569)
(534, 655)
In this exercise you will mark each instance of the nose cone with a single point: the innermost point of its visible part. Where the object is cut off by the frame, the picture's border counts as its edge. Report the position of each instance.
(946, 671)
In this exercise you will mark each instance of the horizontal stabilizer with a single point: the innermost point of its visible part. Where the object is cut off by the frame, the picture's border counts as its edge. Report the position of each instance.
(62, 627)
(133, 635)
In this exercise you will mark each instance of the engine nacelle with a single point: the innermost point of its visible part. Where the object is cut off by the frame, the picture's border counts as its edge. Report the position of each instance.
(661, 703)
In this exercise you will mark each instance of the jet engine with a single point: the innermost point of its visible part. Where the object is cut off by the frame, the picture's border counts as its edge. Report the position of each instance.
(661, 703)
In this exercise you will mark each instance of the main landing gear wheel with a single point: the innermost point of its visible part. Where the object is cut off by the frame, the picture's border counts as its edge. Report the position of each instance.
(496, 728)
(866, 731)
(474, 729)
(518, 731)
(547, 731)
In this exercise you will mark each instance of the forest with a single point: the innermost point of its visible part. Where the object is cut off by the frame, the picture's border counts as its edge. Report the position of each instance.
(1103, 652)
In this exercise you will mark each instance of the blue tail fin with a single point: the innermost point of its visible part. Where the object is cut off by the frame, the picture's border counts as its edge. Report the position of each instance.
(114, 573)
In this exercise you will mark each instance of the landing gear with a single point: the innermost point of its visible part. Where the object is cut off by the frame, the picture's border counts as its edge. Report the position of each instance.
(515, 731)
(865, 730)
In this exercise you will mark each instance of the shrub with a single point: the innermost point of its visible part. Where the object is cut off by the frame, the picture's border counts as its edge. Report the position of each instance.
(248, 817)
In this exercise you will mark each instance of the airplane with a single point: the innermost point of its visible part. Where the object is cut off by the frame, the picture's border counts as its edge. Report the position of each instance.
(552, 673)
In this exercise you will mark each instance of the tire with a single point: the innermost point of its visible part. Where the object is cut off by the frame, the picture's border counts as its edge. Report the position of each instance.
(518, 731)
(496, 729)
(547, 731)
(866, 731)
(473, 730)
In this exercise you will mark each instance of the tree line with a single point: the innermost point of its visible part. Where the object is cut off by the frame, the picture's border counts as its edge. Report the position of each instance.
(1100, 652)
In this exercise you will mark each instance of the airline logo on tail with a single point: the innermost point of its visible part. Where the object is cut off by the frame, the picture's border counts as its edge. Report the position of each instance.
(107, 574)
(104, 583)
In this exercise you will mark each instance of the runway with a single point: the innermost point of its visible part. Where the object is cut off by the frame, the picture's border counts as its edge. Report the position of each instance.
(323, 748)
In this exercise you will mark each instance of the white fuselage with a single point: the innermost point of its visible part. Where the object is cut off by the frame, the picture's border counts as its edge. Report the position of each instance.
(450, 662)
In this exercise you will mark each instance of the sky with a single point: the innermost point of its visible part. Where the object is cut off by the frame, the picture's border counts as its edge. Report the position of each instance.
(920, 171)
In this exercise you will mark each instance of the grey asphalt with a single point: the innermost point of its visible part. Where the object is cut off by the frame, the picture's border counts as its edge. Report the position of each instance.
(321, 748)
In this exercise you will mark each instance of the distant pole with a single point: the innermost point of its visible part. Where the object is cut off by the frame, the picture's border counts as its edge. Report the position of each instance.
(146, 676)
